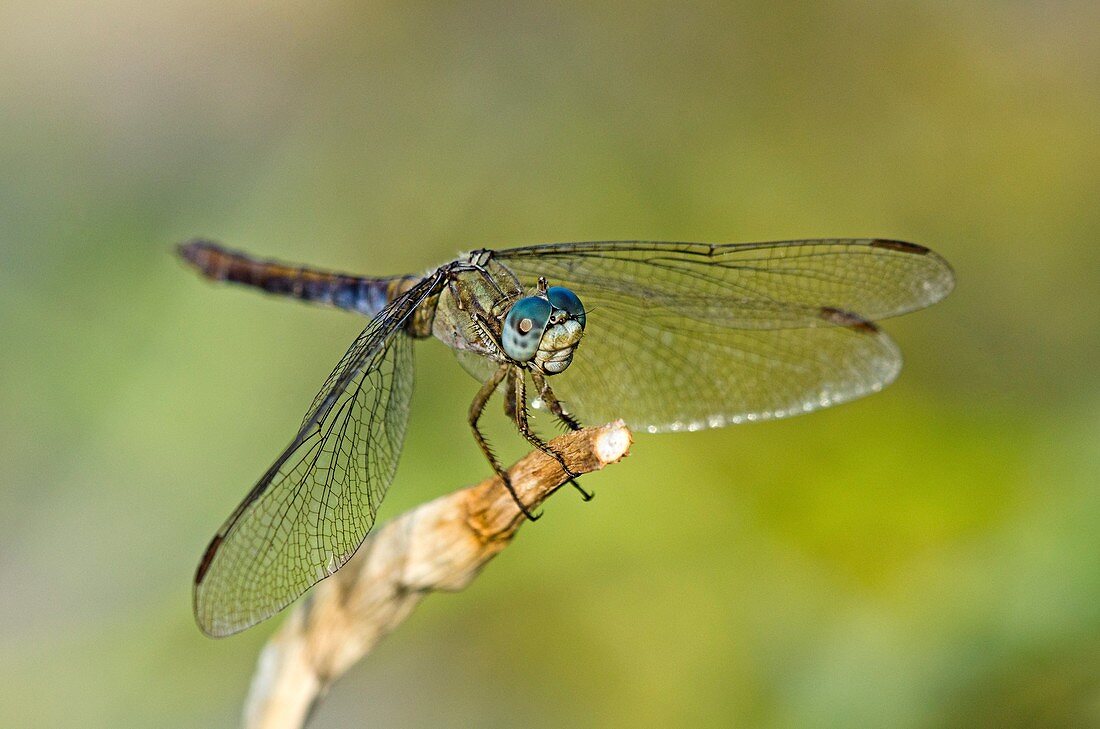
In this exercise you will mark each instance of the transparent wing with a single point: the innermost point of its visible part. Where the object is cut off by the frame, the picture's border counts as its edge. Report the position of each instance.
(314, 506)
(684, 336)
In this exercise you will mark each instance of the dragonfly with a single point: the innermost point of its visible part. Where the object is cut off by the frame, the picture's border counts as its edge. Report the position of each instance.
(665, 336)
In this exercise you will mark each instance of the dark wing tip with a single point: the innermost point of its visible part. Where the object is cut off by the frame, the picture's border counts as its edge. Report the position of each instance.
(939, 275)
(208, 558)
(900, 246)
(847, 319)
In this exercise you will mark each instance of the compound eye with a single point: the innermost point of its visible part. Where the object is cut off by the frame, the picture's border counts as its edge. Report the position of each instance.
(523, 328)
(564, 299)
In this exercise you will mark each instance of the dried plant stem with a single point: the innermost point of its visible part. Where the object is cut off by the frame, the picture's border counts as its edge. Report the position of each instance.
(440, 545)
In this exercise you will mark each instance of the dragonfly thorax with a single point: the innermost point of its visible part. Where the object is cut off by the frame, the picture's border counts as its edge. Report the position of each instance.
(544, 330)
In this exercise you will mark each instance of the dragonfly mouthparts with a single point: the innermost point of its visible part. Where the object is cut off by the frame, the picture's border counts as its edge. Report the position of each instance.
(555, 351)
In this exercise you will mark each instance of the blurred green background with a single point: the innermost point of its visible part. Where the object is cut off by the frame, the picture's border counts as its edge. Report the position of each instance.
(927, 557)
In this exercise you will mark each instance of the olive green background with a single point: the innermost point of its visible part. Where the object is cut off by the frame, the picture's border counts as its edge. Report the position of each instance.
(927, 557)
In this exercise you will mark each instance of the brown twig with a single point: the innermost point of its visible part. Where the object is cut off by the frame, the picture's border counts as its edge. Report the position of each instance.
(440, 545)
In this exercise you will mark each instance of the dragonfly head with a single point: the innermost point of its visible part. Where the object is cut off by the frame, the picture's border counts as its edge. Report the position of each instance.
(544, 329)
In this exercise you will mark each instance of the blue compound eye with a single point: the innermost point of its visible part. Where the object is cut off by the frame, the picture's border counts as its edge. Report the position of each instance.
(523, 327)
(564, 299)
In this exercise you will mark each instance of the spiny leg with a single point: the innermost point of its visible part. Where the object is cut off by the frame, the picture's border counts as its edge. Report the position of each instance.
(518, 405)
(552, 401)
(555, 406)
(477, 407)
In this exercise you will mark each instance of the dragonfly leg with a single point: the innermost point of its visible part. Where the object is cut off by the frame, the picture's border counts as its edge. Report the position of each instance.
(553, 403)
(518, 404)
(477, 407)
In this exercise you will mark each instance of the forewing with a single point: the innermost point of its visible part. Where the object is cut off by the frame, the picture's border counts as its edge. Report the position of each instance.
(314, 506)
(684, 336)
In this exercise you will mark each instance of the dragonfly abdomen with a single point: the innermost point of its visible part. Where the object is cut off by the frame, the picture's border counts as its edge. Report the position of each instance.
(353, 293)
